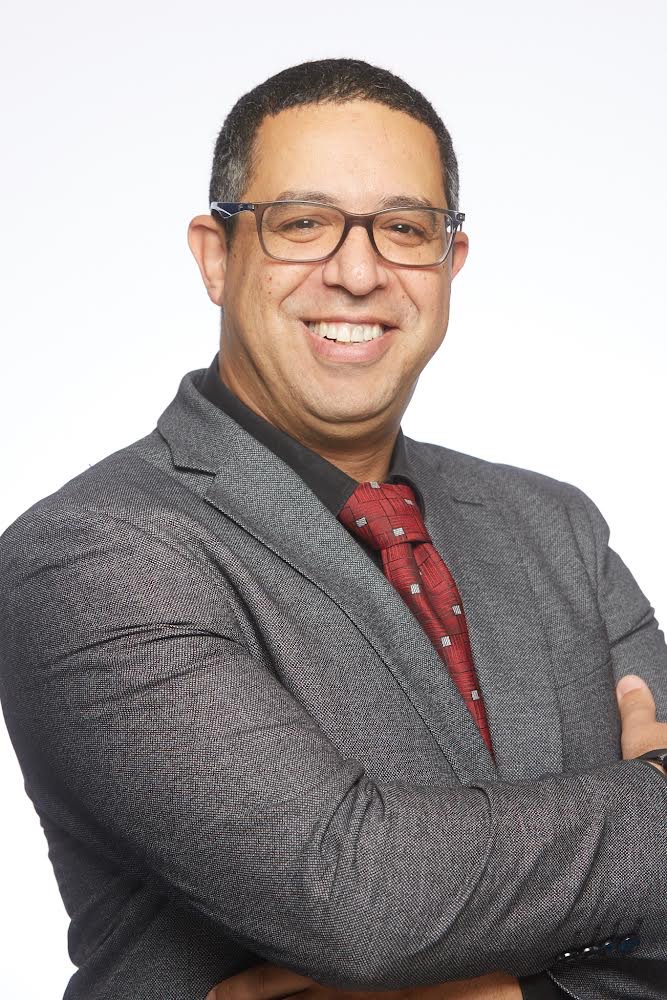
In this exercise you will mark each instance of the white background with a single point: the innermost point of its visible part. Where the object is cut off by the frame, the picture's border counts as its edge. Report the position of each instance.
(555, 358)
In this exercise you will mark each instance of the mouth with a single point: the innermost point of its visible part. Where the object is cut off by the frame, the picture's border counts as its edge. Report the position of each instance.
(343, 332)
(340, 341)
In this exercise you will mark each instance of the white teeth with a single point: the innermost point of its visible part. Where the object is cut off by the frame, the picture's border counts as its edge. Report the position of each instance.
(347, 332)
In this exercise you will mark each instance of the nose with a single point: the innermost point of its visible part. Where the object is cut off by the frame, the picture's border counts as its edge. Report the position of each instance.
(355, 265)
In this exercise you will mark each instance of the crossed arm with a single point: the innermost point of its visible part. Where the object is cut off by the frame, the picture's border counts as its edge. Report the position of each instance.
(265, 981)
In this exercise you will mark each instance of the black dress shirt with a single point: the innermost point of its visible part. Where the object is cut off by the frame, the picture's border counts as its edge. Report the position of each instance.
(334, 487)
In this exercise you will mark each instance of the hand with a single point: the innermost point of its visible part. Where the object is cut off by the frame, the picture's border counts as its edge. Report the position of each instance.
(268, 982)
(640, 730)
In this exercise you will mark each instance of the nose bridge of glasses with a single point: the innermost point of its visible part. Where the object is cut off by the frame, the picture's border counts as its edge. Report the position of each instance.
(352, 220)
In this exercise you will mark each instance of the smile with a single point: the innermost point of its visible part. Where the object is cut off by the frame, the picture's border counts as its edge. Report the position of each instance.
(357, 344)
(347, 333)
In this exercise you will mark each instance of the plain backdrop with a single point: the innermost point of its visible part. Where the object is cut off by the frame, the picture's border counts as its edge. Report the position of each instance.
(555, 357)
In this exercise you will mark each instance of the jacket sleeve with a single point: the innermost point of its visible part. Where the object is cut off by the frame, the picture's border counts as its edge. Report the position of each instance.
(146, 729)
(637, 645)
(636, 641)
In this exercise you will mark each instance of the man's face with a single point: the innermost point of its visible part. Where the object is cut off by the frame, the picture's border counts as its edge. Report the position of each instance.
(356, 155)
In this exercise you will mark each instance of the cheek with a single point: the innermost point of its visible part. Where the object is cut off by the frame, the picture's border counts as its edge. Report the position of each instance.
(255, 293)
(275, 287)
(294, 288)
(429, 293)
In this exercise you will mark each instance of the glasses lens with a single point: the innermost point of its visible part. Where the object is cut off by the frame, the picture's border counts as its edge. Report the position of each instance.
(301, 231)
(419, 236)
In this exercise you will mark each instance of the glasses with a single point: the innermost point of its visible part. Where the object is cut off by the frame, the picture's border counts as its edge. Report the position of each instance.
(307, 231)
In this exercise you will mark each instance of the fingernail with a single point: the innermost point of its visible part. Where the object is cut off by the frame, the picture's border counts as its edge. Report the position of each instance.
(628, 683)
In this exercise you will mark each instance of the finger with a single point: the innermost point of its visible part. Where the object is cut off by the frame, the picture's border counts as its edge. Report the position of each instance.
(264, 981)
(629, 682)
(635, 701)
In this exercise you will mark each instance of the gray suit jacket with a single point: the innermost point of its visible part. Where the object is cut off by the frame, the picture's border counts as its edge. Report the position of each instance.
(242, 745)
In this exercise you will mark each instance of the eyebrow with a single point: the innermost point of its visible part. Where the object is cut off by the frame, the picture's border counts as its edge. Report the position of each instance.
(388, 201)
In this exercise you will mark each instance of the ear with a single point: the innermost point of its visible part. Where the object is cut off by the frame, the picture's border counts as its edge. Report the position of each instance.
(459, 252)
(207, 241)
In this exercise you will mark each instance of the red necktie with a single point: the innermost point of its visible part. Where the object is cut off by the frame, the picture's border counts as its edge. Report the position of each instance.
(387, 517)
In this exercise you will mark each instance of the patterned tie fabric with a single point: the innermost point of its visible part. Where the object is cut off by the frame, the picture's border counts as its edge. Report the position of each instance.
(387, 517)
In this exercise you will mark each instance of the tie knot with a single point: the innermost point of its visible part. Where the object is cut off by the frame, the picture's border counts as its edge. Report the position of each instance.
(384, 515)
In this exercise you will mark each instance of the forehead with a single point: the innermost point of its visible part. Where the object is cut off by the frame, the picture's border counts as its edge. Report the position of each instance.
(359, 152)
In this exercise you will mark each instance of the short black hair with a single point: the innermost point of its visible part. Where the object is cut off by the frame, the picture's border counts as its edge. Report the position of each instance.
(334, 81)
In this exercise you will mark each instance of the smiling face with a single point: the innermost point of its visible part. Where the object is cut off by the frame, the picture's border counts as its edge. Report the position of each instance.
(358, 156)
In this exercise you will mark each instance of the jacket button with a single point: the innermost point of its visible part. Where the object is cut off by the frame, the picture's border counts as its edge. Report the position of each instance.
(566, 956)
(628, 943)
(608, 946)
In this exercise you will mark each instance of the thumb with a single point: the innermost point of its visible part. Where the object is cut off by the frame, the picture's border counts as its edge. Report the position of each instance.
(635, 701)
(630, 682)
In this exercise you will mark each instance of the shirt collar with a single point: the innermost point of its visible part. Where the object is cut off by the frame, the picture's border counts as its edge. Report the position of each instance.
(333, 486)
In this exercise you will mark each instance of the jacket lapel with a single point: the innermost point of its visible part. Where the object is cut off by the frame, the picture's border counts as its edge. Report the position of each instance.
(262, 494)
(510, 650)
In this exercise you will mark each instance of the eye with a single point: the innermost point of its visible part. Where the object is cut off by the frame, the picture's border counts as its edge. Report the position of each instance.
(405, 229)
(300, 225)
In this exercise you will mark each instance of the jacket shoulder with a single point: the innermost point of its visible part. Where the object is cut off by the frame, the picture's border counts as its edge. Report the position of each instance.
(470, 474)
(135, 484)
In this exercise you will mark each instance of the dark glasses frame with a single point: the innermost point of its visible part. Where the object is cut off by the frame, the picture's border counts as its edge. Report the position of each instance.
(225, 210)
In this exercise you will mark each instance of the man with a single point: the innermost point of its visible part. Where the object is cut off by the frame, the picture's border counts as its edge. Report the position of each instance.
(298, 695)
